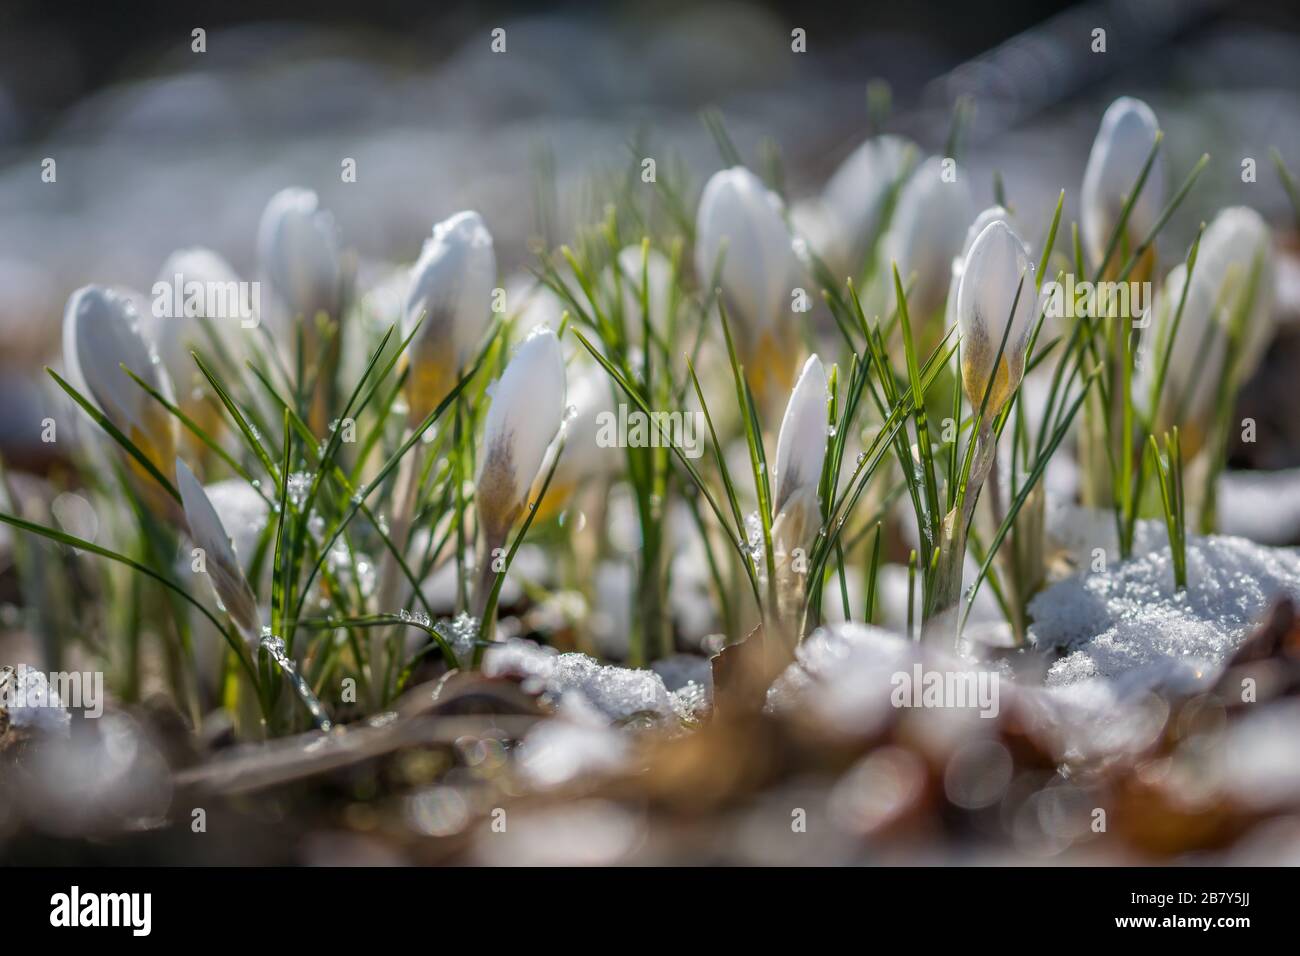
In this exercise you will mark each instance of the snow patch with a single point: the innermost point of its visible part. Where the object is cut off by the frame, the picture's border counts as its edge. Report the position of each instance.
(1130, 623)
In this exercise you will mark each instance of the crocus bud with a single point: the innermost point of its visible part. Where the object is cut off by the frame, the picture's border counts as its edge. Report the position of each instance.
(298, 248)
(991, 214)
(526, 411)
(1128, 131)
(854, 199)
(800, 454)
(451, 297)
(990, 280)
(801, 444)
(925, 233)
(101, 334)
(1233, 242)
(217, 552)
(217, 299)
(740, 222)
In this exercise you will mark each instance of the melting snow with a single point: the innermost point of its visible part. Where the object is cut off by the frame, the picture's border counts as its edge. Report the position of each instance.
(619, 693)
(577, 742)
(1130, 624)
(32, 704)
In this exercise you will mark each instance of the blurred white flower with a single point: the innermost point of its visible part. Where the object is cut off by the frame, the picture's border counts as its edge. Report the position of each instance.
(991, 277)
(526, 411)
(298, 248)
(925, 233)
(841, 223)
(741, 214)
(1128, 131)
(218, 552)
(451, 292)
(1233, 242)
(101, 333)
(739, 222)
(174, 335)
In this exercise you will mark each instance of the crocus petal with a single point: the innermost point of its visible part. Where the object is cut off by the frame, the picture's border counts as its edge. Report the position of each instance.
(450, 296)
(526, 411)
(298, 248)
(101, 333)
(933, 210)
(737, 211)
(856, 193)
(991, 214)
(1226, 257)
(1128, 130)
(801, 444)
(174, 333)
(990, 279)
(219, 560)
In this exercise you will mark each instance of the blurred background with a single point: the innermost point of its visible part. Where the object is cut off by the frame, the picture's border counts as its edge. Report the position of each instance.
(157, 146)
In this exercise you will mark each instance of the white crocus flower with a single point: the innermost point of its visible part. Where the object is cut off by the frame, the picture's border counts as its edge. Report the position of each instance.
(740, 223)
(800, 454)
(101, 334)
(298, 248)
(218, 554)
(1128, 131)
(451, 297)
(526, 411)
(990, 279)
(991, 214)
(925, 233)
(841, 224)
(1221, 289)
(175, 335)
